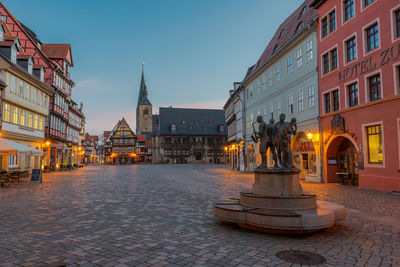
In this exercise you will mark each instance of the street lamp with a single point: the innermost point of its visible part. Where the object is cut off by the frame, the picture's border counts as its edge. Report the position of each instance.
(309, 136)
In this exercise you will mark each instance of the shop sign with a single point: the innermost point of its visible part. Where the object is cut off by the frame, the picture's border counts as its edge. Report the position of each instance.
(367, 64)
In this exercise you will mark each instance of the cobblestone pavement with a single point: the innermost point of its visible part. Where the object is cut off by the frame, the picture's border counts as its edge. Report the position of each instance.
(153, 215)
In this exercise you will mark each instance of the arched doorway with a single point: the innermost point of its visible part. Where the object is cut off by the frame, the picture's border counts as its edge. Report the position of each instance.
(304, 155)
(342, 161)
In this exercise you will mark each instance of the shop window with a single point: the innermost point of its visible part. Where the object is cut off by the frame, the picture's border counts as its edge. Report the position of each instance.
(330, 61)
(289, 64)
(353, 94)
(351, 49)
(304, 156)
(290, 104)
(374, 86)
(331, 101)
(348, 9)
(374, 143)
(372, 34)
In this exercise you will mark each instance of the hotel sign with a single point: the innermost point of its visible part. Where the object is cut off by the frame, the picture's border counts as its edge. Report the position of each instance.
(367, 64)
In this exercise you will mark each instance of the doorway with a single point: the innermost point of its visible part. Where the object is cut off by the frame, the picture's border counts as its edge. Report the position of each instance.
(198, 155)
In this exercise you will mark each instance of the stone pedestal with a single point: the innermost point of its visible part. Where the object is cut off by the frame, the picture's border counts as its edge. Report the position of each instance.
(277, 204)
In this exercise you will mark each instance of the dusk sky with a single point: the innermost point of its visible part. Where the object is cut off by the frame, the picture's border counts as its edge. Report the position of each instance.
(193, 50)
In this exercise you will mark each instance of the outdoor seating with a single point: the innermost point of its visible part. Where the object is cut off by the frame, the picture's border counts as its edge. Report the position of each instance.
(4, 179)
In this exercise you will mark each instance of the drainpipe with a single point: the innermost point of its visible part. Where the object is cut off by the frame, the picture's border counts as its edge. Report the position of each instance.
(321, 141)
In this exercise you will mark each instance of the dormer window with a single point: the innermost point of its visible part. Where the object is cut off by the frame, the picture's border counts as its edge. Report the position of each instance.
(300, 26)
(221, 128)
(30, 65)
(42, 74)
(282, 33)
(173, 127)
(1, 33)
(305, 9)
(276, 48)
(14, 54)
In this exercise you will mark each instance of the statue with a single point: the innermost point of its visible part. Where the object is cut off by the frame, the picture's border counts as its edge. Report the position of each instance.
(277, 137)
(262, 137)
(283, 133)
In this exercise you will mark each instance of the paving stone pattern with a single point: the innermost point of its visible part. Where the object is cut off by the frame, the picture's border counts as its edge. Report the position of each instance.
(155, 215)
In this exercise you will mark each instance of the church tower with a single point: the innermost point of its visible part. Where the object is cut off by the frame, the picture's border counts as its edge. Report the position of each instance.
(144, 120)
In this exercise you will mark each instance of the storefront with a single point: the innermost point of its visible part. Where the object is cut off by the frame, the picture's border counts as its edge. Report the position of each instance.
(304, 156)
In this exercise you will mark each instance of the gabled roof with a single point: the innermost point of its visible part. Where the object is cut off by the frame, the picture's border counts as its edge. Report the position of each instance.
(58, 51)
(189, 121)
(303, 15)
(122, 125)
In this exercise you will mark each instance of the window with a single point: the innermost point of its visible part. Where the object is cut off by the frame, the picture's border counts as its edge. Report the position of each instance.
(328, 24)
(276, 48)
(173, 127)
(30, 66)
(289, 64)
(7, 112)
(353, 94)
(123, 149)
(264, 83)
(300, 26)
(36, 122)
(13, 84)
(332, 21)
(299, 58)
(14, 54)
(121, 141)
(311, 98)
(41, 123)
(331, 100)
(368, 2)
(258, 86)
(277, 73)
(116, 149)
(309, 54)
(26, 161)
(348, 9)
(22, 118)
(330, 61)
(372, 37)
(42, 74)
(35, 92)
(21, 88)
(30, 119)
(278, 108)
(15, 115)
(300, 103)
(397, 18)
(351, 49)
(282, 33)
(290, 104)
(13, 161)
(28, 92)
(374, 143)
(374, 84)
(270, 78)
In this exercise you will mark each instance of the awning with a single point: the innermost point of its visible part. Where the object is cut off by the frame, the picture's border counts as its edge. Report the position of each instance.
(8, 147)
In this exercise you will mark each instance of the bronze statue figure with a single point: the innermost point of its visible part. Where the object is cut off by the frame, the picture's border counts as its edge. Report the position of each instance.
(277, 137)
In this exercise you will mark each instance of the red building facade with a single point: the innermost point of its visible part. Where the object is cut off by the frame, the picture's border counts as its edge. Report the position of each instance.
(359, 90)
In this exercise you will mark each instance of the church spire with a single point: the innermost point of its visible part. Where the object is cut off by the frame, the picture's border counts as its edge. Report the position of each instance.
(142, 99)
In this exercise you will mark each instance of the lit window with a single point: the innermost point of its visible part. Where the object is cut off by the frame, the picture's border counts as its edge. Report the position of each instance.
(289, 64)
(15, 115)
(309, 54)
(36, 122)
(311, 98)
(299, 58)
(300, 104)
(374, 84)
(372, 37)
(7, 112)
(375, 147)
(348, 9)
(22, 118)
(351, 49)
(353, 94)
(30, 120)
(41, 123)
